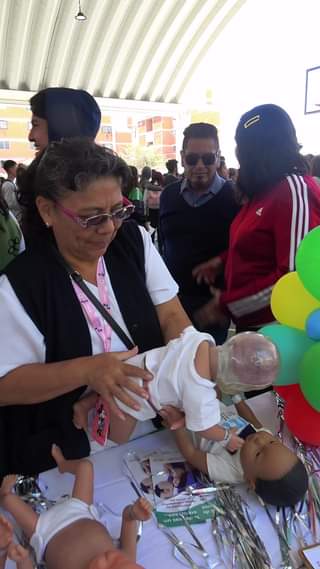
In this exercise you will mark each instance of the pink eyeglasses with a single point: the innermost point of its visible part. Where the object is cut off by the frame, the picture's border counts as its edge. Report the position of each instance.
(117, 216)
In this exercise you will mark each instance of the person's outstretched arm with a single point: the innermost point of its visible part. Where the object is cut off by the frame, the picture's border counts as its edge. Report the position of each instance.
(196, 457)
(246, 412)
(107, 374)
(172, 318)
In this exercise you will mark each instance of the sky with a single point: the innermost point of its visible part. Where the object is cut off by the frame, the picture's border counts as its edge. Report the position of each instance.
(262, 57)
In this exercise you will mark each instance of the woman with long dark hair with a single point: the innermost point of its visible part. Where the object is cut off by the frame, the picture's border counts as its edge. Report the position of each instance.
(281, 204)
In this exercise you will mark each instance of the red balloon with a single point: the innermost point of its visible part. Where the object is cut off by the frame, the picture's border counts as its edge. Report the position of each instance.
(285, 391)
(301, 419)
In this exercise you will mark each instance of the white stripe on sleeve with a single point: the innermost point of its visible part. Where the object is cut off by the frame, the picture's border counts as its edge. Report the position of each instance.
(300, 215)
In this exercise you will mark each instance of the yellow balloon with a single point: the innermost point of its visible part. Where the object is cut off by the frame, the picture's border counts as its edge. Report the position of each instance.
(291, 303)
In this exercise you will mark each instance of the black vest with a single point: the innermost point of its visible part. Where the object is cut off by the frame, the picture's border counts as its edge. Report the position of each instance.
(192, 235)
(46, 293)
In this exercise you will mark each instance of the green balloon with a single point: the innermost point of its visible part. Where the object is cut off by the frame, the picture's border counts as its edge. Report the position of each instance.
(292, 345)
(308, 262)
(309, 374)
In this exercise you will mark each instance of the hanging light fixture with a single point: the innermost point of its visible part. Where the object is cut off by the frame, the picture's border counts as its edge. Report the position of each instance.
(80, 16)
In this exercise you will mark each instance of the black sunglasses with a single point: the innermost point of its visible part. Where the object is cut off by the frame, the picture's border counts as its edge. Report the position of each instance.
(193, 158)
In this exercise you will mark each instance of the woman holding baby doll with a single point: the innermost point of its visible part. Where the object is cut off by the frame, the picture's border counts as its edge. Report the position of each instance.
(54, 341)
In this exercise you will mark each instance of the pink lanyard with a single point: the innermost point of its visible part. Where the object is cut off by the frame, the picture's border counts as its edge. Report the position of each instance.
(100, 425)
(100, 325)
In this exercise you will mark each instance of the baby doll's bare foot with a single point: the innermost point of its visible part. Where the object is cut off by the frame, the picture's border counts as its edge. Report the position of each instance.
(80, 415)
(7, 484)
(6, 532)
(59, 458)
(140, 511)
(17, 553)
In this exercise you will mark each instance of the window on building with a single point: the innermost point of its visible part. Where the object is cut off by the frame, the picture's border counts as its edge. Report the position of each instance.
(3, 124)
(4, 144)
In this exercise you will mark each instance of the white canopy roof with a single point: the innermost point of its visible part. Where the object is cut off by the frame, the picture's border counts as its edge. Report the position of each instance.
(128, 49)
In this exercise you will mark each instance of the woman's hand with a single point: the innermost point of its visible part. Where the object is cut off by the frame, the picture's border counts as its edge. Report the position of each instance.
(108, 375)
(173, 418)
(235, 442)
(207, 272)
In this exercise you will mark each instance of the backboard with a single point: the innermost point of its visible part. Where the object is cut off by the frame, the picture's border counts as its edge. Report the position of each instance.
(312, 95)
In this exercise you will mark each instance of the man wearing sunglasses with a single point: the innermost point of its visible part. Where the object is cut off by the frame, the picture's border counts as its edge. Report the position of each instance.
(195, 216)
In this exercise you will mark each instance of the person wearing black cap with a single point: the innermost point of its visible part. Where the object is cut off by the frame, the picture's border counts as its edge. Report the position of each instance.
(60, 112)
(281, 205)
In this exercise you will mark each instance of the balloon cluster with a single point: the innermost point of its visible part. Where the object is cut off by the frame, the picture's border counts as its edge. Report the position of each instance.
(295, 303)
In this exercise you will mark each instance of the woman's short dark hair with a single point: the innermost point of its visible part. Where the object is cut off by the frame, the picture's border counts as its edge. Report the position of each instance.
(146, 172)
(8, 164)
(157, 178)
(171, 165)
(199, 130)
(65, 166)
(267, 149)
(287, 491)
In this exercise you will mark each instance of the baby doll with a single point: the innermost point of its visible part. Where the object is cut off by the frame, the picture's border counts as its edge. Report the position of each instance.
(269, 467)
(184, 374)
(69, 534)
(11, 550)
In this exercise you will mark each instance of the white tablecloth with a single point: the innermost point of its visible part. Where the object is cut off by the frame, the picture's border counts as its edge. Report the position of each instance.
(113, 490)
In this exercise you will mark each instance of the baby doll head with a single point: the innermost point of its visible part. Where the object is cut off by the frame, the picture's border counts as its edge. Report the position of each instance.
(113, 559)
(272, 470)
(246, 362)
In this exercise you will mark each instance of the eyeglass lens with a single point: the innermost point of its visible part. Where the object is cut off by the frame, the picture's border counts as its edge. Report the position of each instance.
(208, 158)
(117, 216)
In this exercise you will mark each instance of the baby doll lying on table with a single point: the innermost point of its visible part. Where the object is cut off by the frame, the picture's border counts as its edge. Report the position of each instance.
(185, 373)
(271, 469)
(69, 535)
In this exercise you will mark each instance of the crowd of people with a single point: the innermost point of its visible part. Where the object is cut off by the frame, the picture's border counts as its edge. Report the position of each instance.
(89, 303)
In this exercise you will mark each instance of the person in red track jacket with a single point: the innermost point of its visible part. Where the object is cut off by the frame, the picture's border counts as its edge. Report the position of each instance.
(281, 204)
